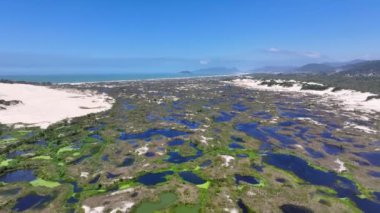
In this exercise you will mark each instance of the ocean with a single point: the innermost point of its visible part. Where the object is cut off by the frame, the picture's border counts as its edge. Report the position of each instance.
(79, 78)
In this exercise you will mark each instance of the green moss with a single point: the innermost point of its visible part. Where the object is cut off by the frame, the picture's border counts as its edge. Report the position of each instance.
(45, 183)
(65, 149)
(42, 157)
(5, 162)
(205, 185)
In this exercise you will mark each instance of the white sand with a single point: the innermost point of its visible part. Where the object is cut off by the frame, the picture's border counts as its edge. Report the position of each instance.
(351, 100)
(360, 127)
(42, 106)
(125, 207)
(227, 160)
(142, 150)
(88, 209)
(341, 167)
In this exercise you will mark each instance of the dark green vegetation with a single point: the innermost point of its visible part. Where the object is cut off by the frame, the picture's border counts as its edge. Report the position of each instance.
(194, 146)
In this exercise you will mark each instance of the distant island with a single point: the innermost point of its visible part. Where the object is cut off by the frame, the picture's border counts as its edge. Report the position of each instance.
(185, 72)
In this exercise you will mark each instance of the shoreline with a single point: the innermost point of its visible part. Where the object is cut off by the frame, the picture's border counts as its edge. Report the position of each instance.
(117, 81)
(152, 79)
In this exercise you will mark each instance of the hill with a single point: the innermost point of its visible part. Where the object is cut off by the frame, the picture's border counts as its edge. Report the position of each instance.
(366, 69)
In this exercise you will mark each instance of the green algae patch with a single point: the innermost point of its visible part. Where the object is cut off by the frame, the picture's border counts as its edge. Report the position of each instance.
(125, 186)
(204, 186)
(187, 209)
(5, 162)
(166, 200)
(65, 149)
(45, 183)
(42, 157)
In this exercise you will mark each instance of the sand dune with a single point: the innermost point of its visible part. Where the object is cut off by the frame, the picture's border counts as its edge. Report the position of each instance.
(351, 100)
(42, 106)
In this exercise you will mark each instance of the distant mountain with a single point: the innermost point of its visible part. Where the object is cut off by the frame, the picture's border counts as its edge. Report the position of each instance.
(274, 69)
(341, 64)
(217, 70)
(365, 68)
(356, 67)
(315, 68)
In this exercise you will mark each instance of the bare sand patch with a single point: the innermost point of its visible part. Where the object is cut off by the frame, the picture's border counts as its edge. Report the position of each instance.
(42, 106)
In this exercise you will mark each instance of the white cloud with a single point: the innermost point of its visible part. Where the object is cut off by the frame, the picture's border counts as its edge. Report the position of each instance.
(313, 54)
(307, 54)
(204, 62)
(274, 50)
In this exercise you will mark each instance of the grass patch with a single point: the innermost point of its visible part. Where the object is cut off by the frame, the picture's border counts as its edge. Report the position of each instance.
(5, 162)
(45, 183)
(204, 186)
(42, 157)
(65, 149)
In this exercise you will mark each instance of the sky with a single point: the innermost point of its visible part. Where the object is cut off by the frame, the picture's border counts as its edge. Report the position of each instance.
(126, 36)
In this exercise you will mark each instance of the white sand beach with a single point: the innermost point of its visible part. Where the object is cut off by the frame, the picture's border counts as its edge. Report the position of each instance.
(42, 106)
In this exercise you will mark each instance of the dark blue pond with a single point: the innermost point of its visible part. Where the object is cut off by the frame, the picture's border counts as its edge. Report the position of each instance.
(191, 177)
(10, 192)
(237, 139)
(151, 179)
(127, 106)
(133, 143)
(31, 201)
(128, 161)
(150, 154)
(240, 107)
(245, 178)
(343, 186)
(235, 146)
(105, 157)
(313, 153)
(187, 123)
(242, 155)
(281, 180)
(169, 133)
(176, 142)
(72, 200)
(176, 157)
(262, 115)
(372, 157)
(95, 179)
(42, 143)
(206, 163)
(252, 130)
(242, 206)
(258, 168)
(329, 135)
(283, 139)
(377, 195)
(225, 116)
(80, 159)
(288, 123)
(110, 175)
(16, 153)
(332, 149)
(290, 208)
(76, 188)
(23, 175)
(374, 174)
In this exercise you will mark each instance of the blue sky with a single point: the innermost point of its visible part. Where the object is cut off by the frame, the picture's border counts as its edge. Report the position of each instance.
(71, 36)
